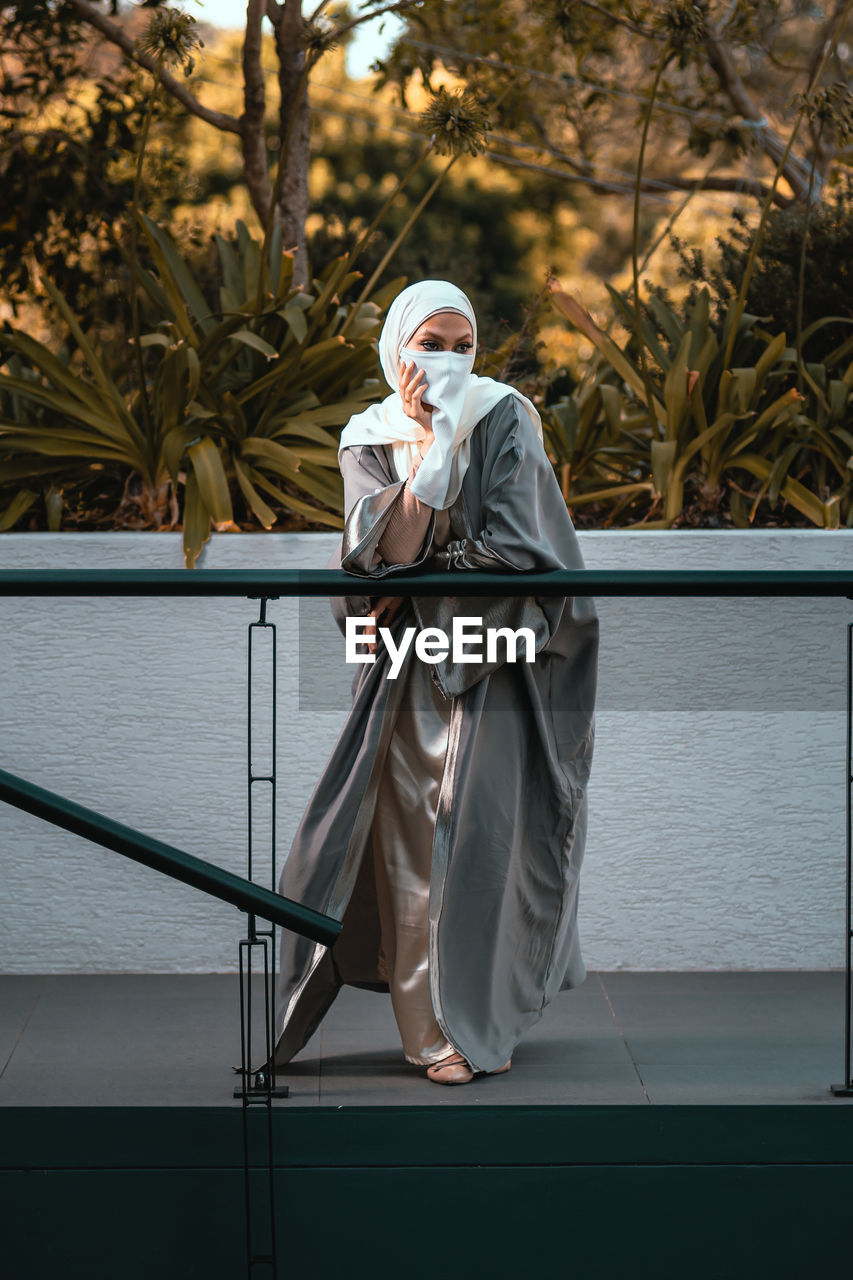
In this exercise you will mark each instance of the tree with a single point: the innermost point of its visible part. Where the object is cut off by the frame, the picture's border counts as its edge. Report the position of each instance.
(302, 34)
(571, 80)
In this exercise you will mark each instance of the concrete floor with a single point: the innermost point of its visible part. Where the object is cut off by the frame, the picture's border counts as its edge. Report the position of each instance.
(620, 1038)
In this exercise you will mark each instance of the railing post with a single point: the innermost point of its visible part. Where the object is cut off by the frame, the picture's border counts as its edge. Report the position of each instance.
(269, 778)
(261, 1255)
(845, 1090)
(258, 1088)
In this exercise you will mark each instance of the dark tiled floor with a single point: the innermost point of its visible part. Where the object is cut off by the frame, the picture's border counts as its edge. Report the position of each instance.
(621, 1038)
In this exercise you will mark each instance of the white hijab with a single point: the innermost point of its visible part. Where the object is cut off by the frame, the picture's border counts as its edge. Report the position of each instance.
(461, 398)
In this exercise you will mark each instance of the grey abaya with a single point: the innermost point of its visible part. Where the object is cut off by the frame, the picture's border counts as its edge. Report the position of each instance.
(509, 786)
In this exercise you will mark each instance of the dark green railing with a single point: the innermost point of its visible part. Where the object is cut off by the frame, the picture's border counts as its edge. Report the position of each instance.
(164, 857)
(273, 583)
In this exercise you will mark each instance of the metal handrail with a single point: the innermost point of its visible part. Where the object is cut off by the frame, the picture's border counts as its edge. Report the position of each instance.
(272, 583)
(166, 858)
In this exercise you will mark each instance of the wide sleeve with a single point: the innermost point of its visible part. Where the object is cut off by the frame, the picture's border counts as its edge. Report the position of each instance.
(370, 504)
(522, 524)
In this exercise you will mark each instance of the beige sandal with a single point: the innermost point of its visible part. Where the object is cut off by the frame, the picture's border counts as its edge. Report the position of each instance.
(453, 1070)
(457, 1070)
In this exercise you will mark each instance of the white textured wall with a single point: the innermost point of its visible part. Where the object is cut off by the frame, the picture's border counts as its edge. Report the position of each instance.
(716, 830)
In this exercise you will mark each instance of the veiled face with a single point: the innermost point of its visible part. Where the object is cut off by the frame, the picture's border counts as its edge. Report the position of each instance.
(443, 331)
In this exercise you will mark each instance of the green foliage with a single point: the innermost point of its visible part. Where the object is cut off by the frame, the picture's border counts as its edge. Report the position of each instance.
(478, 237)
(69, 128)
(239, 406)
(772, 292)
(224, 406)
(710, 432)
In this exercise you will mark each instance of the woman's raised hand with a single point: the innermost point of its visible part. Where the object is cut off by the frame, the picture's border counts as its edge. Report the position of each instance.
(412, 387)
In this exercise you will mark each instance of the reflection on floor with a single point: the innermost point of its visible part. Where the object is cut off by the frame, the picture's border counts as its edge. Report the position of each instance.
(620, 1038)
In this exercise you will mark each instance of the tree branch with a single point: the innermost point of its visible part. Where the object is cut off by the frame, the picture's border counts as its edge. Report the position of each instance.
(652, 186)
(823, 37)
(732, 183)
(824, 140)
(727, 17)
(401, 7)
(274, 12)
(787, 67)
(290, 193)
(94, 18)
(254, 112)
(546, 145)
(796, 173)
(620, 21)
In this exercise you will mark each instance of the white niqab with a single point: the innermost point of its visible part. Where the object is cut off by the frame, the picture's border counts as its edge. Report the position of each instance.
(460, 398)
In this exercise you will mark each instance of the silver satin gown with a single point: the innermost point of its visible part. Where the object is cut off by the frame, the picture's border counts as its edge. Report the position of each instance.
(402, 835)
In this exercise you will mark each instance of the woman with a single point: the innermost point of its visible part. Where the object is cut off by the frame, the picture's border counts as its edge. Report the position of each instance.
(447, 830)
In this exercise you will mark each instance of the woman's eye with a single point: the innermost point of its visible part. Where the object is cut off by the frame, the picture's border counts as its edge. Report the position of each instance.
(464, 347)
(428, 344)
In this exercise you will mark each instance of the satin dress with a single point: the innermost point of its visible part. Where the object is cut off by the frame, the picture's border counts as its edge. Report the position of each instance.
(403, 831)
